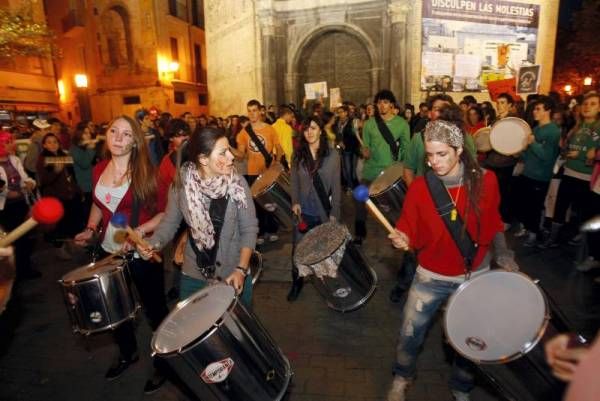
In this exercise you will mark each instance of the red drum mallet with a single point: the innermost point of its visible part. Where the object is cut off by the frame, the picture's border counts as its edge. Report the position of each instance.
(45, 211)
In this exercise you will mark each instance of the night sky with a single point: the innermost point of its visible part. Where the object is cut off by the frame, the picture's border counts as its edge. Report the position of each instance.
(567, 7)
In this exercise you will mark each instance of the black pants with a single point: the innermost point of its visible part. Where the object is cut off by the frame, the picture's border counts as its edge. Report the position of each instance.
(532, 194)
(266, 220)
(574, 193)
(407, 271)
(505, 182)
(148, 278)
(14, 213)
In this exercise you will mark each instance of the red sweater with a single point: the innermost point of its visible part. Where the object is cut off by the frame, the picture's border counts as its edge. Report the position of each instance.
(126, 204)
(427, 233)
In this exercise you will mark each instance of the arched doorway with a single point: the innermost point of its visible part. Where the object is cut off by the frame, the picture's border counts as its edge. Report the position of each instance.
(117, 50)
(339, 58)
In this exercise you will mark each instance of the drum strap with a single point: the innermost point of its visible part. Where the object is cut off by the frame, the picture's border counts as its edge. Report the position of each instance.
(320, 188)
(259, 145)
(453, 222)
(387, 135)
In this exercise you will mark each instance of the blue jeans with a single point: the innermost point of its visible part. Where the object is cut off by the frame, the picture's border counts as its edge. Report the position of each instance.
(190, 285)
(424, 299)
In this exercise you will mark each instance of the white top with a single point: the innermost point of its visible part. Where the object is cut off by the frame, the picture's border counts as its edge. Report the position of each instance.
(111, 197)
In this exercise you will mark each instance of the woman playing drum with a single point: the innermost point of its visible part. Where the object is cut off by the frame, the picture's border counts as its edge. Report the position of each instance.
(216, 204)
(316, 191)
(474, 198)
(126, 183)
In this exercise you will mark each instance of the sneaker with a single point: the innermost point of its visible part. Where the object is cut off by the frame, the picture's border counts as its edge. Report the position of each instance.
(120, 366)
(460, 396)
(521, 233)
(260, 241)
(398, 390)
(588, 264)
(273, 237)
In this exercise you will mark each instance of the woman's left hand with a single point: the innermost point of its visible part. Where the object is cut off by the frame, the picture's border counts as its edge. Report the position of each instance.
(236, 280)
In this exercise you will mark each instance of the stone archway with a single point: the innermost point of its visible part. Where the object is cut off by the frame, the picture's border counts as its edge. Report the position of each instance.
(342, 57)
(116, 32)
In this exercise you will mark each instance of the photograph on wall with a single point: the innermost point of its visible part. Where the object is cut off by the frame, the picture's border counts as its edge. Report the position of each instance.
(467, 43)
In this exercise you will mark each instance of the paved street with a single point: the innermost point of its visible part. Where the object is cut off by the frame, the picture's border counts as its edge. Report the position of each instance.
(334, 356)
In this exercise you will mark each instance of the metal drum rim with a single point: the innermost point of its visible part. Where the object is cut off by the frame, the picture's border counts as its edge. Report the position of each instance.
(361, 301)
(389, 186)
(532, 344)
(198, 339)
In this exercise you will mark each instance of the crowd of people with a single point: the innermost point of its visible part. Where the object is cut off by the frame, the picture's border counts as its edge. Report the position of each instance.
(185, 181)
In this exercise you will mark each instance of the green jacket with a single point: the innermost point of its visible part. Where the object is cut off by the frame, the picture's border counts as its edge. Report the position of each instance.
(380, 153)
(586, 138)
(540, 155)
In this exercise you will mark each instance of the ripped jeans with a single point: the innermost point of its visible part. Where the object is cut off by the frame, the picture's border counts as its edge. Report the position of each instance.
(425, 297)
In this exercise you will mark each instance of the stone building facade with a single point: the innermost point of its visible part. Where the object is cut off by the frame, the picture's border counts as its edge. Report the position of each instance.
(267, 49)
(134, 53)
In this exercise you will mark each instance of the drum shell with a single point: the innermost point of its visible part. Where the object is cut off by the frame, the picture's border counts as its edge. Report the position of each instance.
(100, 302)
(390, 201)
(256, 266)
(260, 372)
(354, 285)
(278, 194)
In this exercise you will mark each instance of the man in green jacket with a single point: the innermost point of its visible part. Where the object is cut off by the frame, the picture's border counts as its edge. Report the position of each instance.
(377, 152)
(539, 158)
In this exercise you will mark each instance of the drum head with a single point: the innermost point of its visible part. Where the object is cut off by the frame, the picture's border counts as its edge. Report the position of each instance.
(320, 243)
(509, 136)
(496, 317)
(482, 139)
(266, 179)
(88, 271)
(386, 179)
(192, 317)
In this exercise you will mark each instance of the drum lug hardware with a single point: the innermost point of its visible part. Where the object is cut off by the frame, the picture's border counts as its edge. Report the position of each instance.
(270, 375)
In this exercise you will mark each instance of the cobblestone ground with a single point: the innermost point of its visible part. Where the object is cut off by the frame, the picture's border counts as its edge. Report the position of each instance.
(334, 356)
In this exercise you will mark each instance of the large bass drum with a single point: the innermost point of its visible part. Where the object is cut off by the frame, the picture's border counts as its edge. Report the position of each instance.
(388, 191)
(98, 295)
(500, 321)
(272, 192)
(339, 271)
(220, 350)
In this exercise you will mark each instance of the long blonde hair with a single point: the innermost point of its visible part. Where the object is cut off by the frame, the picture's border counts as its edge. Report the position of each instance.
(140, 169)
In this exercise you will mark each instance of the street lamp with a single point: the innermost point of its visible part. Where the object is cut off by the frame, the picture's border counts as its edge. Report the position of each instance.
(85, 109)
(568, 89)
(587, 81)
(81, 81)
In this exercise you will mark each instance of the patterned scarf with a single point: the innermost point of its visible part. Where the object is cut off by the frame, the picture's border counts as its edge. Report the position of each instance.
(199, 192)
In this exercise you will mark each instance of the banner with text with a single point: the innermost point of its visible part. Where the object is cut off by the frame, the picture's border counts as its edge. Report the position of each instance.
(467, 43)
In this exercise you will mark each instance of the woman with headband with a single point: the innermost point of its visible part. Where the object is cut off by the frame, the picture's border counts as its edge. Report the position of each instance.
(473, 193)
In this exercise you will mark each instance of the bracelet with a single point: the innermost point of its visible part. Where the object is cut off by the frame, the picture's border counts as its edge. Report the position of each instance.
(243, 270)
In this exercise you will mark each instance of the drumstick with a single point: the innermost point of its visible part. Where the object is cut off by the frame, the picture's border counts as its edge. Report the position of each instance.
(120, 220)
(45, 211)
(361, 194)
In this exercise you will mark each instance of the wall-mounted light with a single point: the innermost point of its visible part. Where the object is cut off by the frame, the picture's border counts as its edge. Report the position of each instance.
(568, 88)
(587, 81)
(174, 66)
(61, 89)
(81, 81)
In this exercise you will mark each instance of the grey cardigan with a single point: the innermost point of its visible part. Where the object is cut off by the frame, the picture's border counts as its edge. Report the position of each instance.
(330, 176)
(240, 229)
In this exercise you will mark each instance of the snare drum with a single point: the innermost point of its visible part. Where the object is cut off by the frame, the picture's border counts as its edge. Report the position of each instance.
(388, 190)
(98, 295)
(271, 190)
(482, 140)
(509, 136)
(338, 269)
(498, 320)
(221, 350)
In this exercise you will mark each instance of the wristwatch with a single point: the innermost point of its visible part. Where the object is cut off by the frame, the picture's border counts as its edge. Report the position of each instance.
(244, 270)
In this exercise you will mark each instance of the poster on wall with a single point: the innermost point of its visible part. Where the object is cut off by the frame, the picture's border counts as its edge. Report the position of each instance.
(315, 90)
(528, 81)
(467, 43)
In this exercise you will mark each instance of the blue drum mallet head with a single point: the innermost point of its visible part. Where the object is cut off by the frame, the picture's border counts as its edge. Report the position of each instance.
(361, 193)
(119, 219)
